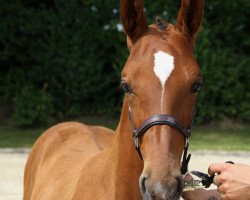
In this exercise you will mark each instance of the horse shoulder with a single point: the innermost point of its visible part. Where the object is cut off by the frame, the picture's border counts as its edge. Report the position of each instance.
(58, 155)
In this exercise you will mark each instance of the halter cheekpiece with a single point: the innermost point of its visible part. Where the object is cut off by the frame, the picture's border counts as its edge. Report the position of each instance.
(162, 120)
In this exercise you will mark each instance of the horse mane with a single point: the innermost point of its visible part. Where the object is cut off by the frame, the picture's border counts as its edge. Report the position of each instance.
(161, 24)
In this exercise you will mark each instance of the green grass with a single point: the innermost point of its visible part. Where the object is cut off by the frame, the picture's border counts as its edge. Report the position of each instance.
(203, 138)
(212, 138)
(16, 137)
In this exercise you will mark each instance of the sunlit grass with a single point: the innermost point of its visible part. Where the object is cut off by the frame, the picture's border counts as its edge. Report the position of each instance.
(215, 138)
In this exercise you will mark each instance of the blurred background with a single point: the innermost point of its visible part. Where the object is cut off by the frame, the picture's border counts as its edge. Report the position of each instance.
(61, 60)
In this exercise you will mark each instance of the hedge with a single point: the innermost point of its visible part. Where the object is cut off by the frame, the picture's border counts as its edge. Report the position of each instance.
(62, 59)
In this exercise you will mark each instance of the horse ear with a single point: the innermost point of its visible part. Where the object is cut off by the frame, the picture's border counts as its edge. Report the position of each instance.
(190, 18)
(133, 18)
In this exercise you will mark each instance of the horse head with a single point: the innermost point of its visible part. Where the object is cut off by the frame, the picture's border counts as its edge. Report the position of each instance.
(161, 77)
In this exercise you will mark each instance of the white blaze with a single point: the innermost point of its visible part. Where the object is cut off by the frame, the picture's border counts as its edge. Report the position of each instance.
(163, 67)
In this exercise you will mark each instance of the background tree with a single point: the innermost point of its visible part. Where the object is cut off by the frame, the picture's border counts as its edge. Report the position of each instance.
(62, 59)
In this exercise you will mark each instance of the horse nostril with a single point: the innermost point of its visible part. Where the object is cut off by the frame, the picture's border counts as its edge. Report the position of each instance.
(143, 184)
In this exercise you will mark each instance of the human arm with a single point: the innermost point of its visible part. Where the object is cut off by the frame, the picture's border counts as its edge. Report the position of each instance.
(202, 194)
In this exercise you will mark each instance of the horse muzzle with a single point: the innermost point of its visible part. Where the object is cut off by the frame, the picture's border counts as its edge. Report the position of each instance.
(152, 189)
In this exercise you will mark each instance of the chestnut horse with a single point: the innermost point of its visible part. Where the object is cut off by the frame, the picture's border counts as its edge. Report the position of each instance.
(161, 78)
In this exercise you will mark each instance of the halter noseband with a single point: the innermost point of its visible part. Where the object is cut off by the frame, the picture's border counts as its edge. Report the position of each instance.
(162, 120)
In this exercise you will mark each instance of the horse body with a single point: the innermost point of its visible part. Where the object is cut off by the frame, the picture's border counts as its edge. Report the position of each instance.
(161, 77)
(70, 156)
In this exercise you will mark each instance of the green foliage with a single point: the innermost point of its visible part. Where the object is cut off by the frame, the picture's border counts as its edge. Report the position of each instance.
(62, 59)
(32, 107)
(223, 52)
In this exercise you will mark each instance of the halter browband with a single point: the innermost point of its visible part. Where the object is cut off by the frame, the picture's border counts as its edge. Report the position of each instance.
(162, 120)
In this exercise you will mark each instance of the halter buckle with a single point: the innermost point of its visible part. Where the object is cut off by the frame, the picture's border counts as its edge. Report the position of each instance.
(136, 140)
(186, 142)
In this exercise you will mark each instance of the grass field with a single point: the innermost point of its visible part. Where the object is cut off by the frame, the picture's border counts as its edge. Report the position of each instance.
(203, 138)
(214, 138)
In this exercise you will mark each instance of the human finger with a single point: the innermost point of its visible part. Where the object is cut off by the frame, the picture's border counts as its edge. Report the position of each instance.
(217, 168)
(217, 180)
(221, 189)
(222, 192)
(223, 196)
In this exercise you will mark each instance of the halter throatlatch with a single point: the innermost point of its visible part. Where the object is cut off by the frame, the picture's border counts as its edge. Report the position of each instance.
(162, 120)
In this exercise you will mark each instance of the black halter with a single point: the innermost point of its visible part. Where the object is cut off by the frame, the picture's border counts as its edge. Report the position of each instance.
(162, 120)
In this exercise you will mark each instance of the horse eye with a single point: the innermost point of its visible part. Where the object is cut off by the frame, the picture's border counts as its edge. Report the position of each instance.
(195, 87)
(126, 88)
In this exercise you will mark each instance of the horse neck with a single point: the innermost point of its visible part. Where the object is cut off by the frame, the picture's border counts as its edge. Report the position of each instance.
(128, 165)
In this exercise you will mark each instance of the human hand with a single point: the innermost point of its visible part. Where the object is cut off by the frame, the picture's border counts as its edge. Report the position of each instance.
(233, 180)
(199, 194)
